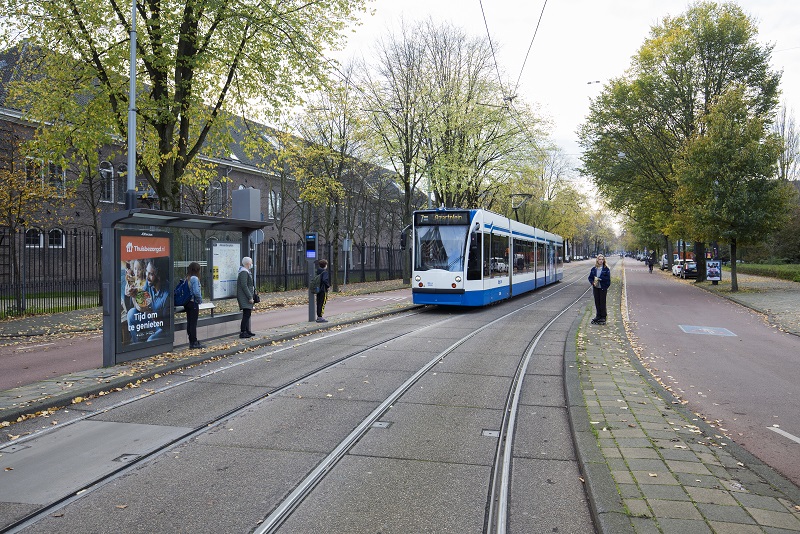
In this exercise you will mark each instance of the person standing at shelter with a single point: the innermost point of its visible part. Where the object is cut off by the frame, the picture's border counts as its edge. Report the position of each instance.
(192, 306)
(322, 289)
(600, 278)
(245, 295)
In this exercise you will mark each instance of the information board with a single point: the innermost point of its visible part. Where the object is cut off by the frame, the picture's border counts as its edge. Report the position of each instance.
(224, 269)
(713, 270)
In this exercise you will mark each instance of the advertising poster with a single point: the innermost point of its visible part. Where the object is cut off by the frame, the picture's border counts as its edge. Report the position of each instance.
(225, 269)
(713, 270)
(145, 290)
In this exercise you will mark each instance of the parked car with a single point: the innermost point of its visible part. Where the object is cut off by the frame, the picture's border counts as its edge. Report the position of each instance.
(689, 270)
(498, 265)
(676, 267)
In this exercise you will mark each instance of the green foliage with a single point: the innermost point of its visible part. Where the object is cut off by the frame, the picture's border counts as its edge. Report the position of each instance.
(636, 130)
(198, 63)
(727, 190)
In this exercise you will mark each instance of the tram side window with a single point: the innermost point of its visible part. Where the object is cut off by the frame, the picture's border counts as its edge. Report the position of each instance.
(523, 256)
(497, 259)
(474, 256)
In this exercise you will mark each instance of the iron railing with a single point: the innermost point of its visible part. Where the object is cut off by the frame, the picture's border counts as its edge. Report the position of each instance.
(60, 271)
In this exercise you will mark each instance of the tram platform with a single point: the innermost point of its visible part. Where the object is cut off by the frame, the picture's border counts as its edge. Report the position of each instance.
(649, 464)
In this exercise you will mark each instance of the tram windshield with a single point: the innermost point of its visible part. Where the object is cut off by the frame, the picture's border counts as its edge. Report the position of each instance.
(440, 247)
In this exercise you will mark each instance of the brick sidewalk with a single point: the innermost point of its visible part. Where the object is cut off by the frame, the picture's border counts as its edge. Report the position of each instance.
(660, 468)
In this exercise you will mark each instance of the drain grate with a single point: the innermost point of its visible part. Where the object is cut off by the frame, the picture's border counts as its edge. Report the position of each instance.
(14, 448)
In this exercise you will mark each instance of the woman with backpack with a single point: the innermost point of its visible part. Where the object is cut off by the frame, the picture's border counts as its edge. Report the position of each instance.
(192, 307)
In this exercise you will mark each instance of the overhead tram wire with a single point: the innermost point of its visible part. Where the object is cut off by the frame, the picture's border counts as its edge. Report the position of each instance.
(506, 98)
(530, 46)
(509, 99)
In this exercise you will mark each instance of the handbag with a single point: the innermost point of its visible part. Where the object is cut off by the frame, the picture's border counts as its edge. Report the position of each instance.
(256, 298)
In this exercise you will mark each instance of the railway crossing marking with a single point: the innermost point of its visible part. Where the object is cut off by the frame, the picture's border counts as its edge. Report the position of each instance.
(708, 330)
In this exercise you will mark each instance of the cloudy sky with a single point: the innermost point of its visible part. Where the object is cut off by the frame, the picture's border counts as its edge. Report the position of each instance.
(577, 41)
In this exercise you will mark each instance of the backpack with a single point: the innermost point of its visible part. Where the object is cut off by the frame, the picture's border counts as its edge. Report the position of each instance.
(182, 293)
(316, 282)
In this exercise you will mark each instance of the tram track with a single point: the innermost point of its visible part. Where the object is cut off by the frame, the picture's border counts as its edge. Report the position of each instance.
(206, 426)
(284, 510)
(496, 519)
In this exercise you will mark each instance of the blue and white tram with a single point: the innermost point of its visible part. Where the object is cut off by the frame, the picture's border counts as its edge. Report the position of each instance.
(473, 257)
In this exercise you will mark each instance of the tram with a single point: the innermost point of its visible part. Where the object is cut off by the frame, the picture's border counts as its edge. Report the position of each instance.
(473, 257)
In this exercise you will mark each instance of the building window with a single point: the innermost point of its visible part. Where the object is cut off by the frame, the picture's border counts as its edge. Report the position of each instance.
(106, 182)
(55, 238)
(122, 182)
(33, 170)
(216, 197)
(57, 178)
(274, 206)
(271, 253)
(50, 174)
(300, 250)
(34, 238)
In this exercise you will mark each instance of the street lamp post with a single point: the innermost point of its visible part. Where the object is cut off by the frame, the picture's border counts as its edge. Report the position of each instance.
(130, 194)
(525, 197)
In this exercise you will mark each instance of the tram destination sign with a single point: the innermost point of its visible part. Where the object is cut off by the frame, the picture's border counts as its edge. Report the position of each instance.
(441, 218)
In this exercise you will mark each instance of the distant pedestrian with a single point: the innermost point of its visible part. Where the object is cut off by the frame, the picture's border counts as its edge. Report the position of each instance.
(192, 307)
(322, 289)
(600, 278)
(245, 294)
(650, 264)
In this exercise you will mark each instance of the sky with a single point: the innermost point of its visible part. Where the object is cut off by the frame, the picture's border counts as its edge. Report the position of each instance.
(577, 42)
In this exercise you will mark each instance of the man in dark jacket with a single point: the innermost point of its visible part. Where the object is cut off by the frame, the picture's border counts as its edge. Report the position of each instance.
(322, 290)
(600, 278)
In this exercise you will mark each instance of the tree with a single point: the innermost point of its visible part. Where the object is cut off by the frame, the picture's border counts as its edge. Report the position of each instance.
(789, 159)
(199, 61)
(396, 97)
(474, 141)
(726, 176)
(640, 123)
(334, 140)
(28, 186)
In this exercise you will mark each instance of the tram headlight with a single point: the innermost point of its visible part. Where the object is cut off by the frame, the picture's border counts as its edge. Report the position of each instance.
(458, 279)
(417, 278)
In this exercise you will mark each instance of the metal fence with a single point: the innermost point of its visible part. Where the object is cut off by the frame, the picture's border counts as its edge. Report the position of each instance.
(56, 272)
(284, 267)
(48, 272)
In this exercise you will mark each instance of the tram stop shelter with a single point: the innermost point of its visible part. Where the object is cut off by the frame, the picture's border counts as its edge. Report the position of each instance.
(145, 253)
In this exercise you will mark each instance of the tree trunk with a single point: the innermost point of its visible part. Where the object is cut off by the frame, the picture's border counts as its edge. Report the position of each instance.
(734, 282)
(700, 259)
(667, 252)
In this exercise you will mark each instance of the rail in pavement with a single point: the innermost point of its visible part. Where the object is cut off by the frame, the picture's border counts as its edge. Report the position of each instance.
(49, 395)
(649, 466)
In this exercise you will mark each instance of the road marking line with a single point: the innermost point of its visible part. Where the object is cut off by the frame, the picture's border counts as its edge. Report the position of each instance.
(34, 346)
(785, 434)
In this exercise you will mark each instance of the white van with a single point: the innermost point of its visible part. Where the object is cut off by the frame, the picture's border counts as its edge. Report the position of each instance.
(664, 264)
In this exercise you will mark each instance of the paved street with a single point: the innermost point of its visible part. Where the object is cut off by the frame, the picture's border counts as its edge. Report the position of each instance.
(649, 463)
